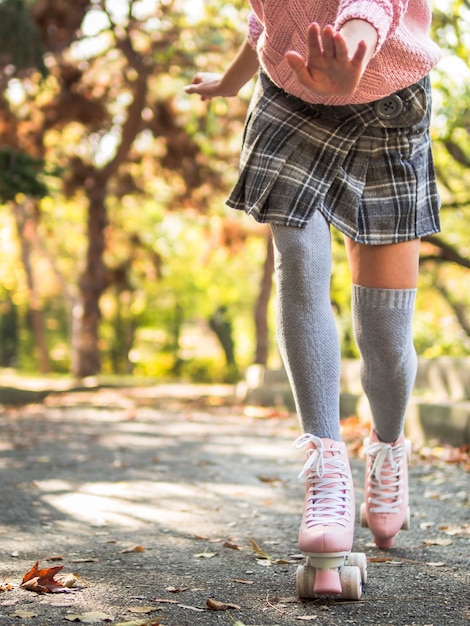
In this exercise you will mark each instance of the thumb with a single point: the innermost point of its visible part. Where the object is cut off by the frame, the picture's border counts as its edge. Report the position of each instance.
(296, 61)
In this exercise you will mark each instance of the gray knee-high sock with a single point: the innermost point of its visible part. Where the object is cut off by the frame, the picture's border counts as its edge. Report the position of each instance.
(383, 327)
(306, 329)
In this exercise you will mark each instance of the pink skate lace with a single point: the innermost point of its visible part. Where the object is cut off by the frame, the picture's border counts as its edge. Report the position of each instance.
(386, 483)
(330, 488)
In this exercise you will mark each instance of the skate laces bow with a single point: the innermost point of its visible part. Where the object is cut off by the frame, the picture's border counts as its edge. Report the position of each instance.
(315, 461)
(386, 472)
(329, 484)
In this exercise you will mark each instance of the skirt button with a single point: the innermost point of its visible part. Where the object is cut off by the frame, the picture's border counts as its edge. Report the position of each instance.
(389, 108)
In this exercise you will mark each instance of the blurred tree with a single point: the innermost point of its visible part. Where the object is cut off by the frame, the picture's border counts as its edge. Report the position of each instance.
(108, 115)
(20, 43)
(136, 233)
(446, 257)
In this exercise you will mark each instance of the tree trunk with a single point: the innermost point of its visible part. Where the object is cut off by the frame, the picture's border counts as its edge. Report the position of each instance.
(87, 314)
(222, 327)
(262, 305)
(26, 227)
(86, 358)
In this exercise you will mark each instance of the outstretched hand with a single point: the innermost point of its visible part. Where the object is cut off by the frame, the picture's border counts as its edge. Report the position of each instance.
(330, 68)
(207, 85)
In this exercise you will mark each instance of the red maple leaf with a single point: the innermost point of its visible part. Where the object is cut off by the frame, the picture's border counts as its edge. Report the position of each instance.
(42, 580)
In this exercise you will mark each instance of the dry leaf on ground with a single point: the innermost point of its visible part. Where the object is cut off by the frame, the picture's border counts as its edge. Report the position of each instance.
(259, 552)
(215, 605)
(153, 621)
(91, 617)
(243, 581)
(42, 580)
(134, 549)
(230, 545)
(437, 542)
(23, 614)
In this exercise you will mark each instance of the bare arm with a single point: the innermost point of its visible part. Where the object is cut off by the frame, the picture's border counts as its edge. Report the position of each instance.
(335, 60)
(243, 67)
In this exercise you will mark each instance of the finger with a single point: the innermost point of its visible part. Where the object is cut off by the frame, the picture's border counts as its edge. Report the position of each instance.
(314, 44)
(360, 54)
(328, 41)
(341, 48)
(295, 60)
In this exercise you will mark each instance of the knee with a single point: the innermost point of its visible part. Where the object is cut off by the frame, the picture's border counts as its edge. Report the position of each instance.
(302, 253)
(384, 348)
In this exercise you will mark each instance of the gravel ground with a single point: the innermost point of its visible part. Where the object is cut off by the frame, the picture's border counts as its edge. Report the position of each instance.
(164, 500)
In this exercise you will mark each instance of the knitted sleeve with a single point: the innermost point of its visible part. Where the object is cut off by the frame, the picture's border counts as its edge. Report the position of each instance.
(255, 28)
(384, 15)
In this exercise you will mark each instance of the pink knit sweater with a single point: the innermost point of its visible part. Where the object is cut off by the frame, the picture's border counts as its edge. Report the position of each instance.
(404, 54)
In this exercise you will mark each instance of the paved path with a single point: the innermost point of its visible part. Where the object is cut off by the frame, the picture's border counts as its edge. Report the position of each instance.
(160, 500)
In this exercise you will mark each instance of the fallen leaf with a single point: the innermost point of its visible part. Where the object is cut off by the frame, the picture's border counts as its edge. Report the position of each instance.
(57, 557)
(134, 549)
(91, 617)
(437, 542)
(261, 554)
(141, 622)
(455, 530)
(205, 555)
(231, 546)
(306, 618)
(23, 614)
(142, 609)
(191, 608)
(269, 479)
(176, 589)
(71, 580)
(165, 601)
(215, 605)
(242, 581)
(42, 580)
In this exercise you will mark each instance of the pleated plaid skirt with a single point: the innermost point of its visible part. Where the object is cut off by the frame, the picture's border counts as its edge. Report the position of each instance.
(368, 168)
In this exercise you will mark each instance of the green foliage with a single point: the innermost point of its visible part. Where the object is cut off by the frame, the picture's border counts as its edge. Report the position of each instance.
(174, 253)
(20, 173)
(20, 44)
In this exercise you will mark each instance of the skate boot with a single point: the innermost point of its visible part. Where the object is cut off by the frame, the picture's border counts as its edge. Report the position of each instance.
(385, 510)
(327, 528)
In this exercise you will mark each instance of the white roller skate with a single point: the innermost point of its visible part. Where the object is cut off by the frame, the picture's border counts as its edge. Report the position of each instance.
(385, 510)
(327, 529)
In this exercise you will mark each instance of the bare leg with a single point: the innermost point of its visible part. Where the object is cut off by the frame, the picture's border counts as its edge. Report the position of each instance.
(393, 266)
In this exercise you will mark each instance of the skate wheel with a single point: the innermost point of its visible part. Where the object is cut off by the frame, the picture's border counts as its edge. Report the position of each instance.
(327, 582)
(406, 522)
(351, 583)
(363, 516)
(305, 580)
(359, 559)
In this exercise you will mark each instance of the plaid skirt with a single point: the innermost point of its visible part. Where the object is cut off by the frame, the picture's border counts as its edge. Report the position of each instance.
(368, 168)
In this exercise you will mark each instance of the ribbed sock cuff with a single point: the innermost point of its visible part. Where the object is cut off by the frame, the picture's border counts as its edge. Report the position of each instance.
(384, 298)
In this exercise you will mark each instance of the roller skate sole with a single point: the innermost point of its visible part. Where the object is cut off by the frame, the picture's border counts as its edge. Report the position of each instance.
(342, 575)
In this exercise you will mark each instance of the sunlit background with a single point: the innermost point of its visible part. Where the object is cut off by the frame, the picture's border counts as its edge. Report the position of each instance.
(184, 291)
